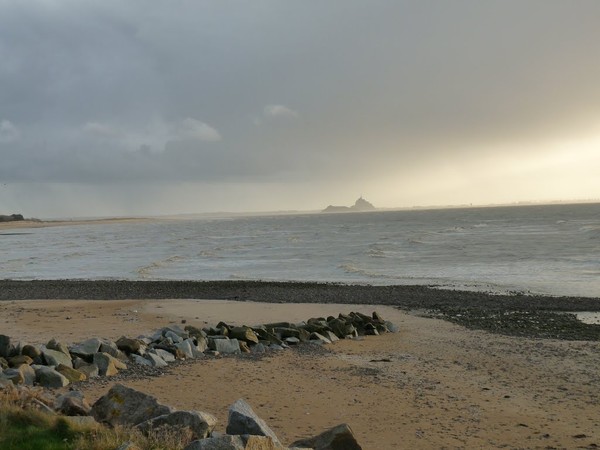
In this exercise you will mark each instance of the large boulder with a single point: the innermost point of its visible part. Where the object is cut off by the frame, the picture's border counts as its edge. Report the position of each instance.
(200, 424)
(129, 345)
(243, 420)
(23, 374)
(108, 365)
(336, 438)
(224, 345)
(31, 351)
(87, 348)
(126, 406)
(244, 334)
(72, 403)
(53, 344)
(56, 357)
(50, 378)
(73, 375)
(5, 346)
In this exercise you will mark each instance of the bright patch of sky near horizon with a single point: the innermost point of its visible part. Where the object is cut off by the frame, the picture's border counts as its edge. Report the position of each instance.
(119, 108)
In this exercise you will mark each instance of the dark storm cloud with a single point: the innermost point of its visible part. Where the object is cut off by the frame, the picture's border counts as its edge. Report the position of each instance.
(268, 90)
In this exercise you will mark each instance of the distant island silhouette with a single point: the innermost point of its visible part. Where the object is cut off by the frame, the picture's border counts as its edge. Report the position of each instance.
(360, 205)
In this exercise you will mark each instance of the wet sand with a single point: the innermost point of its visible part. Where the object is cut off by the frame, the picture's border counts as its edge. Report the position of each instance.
(432, 385)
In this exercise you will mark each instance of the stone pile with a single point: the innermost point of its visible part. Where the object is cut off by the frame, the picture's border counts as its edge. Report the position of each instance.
(56, 365)
(129, 408)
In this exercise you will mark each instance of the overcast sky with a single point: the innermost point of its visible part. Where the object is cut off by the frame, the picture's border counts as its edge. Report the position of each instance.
(152, 107)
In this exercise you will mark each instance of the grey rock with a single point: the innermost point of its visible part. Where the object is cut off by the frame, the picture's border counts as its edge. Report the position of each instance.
(199, 423)
(72, 403)
(392, 328)
(317, 337)
(155, 360)
(89, 370)
(50, 378)
(126, 406)
(292, 340)
(140, 360)
(186, 348)
(243, 420)
(108, 365)
(129, 345)
(5, 346)
(14, 375)
(16, 361)
(165, 355)
(258, 348)
(86, 348)
(177, 330)
(108, 346)
(244, 334)
(31, 351)
(336, 438)
(85, 421)
(53, 344)
(56, 357)
(174, 337)
(225, 346)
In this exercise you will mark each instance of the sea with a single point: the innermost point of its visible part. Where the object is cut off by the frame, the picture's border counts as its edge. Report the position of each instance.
(540, 249)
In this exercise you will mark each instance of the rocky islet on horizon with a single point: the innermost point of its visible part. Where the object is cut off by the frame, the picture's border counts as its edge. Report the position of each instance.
(361, 205)
(56, 365)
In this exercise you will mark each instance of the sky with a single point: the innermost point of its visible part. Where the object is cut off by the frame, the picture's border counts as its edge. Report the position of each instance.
(146, 107)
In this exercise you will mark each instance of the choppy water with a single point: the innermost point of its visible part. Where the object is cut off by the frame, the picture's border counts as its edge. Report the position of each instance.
(544, 249)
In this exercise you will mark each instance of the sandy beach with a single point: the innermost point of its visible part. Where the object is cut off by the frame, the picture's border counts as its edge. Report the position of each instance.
(432, 385)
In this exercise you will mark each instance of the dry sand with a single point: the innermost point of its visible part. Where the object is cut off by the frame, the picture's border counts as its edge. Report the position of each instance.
(19, 224)
(436, 385)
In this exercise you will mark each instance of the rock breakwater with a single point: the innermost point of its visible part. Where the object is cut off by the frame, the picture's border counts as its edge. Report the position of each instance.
(56, 365)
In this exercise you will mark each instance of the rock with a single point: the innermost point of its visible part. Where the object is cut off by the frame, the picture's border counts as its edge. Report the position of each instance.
(316, 337)
(126, 406)
(5, 346)
(173, 336)
(53, 344)
(156, 361)
(50, 378)
(226, 346)
(87, 348)
(336, 438)
(108, 365)
(31, 351)
(3, 363)
(16, 361)
(89, 370)
(165, 355)
(6, 383)
(107, 346)
(330, 335)
(292, 340)
(129, 345)
(201, 424)
(73, 375)
(243, 420)
(258, 348)
(244, 334)
(56, 357)
(72, 403)
(244, 347)
(202, 344)
(195, 332)
(140, 360)
(392, 328)
(186, 348)
(14, 375)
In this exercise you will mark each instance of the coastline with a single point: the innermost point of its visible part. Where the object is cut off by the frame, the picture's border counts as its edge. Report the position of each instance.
(19, 224)
(433, 384)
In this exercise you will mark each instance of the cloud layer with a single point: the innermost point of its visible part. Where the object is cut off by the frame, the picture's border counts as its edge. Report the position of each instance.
(340, 97)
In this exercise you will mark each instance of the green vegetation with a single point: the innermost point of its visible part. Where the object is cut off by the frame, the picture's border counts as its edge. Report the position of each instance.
(24, 427)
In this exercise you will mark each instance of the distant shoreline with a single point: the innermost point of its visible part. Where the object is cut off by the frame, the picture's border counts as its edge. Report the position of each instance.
(59, 223)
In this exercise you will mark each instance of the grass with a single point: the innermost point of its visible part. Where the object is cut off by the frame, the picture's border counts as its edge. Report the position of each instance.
(23, 426)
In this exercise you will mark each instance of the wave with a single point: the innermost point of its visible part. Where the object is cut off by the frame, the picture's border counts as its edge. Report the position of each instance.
(146, 271)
